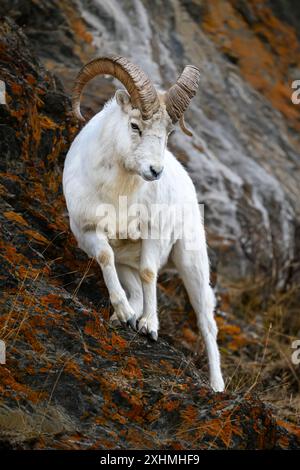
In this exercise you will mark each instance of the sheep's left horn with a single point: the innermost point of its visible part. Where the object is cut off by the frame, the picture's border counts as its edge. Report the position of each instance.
(178, 97)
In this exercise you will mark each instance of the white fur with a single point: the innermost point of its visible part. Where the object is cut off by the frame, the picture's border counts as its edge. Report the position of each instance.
(108, 159)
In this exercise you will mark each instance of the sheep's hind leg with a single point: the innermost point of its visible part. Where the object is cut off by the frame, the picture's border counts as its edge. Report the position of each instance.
(193, 269)
(131, 282)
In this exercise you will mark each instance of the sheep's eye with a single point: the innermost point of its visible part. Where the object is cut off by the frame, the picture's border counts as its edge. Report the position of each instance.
(136, 128)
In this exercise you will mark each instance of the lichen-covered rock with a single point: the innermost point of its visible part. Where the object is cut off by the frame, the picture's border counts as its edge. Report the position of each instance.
(71, 381)
(244, 156)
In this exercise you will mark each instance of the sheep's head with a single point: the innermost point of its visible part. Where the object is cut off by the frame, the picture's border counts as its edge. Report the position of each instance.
(147, 116)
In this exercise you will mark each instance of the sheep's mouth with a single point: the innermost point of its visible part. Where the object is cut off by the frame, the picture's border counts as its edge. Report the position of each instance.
(149, 177)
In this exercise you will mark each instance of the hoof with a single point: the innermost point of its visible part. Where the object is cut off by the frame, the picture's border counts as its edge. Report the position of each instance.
(132, 322)
(114, 321)
(143, 330)
(153, 335)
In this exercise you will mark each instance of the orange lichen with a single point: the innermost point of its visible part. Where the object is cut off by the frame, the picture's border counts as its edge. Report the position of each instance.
(30, 337)
(290, 427)
(219, 429)
(36, 236)
(16, 88)
(78, 26)
(13, 216)
(118, 342)
(264, 50)
(12, 386)
(81, 30)
(51, 300)
(189, 335)
(94, 327)
(132, 369)
(171, 405)
(30, 79)
(231, 334)
(190, 413)
(73, 368)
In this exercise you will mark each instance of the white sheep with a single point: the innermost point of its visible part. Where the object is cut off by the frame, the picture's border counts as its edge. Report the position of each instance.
(121, 154)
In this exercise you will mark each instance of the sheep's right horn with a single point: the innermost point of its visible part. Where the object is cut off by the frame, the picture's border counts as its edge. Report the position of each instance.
(142, 92)
(178, 97)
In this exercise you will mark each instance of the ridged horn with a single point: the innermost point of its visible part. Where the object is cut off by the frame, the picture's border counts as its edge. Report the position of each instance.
(141, 90)
(178, 97)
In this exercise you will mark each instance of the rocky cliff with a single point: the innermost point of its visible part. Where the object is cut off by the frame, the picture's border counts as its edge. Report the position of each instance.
(71, 380)
(244, 157)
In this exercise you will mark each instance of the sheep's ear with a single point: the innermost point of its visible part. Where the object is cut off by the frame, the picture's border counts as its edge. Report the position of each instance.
(123, 99)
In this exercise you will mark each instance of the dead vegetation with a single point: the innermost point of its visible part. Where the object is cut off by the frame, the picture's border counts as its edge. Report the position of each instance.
(265, 366)
(18, 425)
(256, 330)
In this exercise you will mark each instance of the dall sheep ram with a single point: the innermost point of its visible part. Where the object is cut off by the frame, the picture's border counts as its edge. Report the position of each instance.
(121, 155)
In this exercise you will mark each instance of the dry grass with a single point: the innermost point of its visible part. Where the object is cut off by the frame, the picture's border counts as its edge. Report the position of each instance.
(257, 326)
(264, 365)
(19, 425)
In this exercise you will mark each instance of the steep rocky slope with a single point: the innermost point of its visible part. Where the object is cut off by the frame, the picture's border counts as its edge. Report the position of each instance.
(71, 381)
(244, 156)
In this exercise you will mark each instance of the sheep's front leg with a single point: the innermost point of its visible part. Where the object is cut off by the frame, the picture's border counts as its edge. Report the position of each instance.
(150, 256)
(104, 254)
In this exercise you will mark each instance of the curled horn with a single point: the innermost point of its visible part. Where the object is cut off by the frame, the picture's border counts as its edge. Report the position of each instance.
(141, 90)
(178, 97)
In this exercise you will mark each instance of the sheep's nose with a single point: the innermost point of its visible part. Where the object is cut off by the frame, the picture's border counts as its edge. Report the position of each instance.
(155, 171)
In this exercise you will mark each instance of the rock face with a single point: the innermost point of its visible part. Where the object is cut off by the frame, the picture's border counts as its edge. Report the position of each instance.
(72, 381)
(244, 156)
